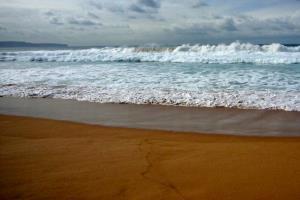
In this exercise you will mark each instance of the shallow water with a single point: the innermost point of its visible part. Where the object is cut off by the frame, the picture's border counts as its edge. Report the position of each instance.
(174, 118)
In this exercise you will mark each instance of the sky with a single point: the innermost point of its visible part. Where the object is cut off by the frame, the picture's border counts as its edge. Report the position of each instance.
(147, 22)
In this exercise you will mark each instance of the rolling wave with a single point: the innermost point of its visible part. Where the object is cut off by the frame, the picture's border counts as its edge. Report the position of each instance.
(273, 100)
(233, 53)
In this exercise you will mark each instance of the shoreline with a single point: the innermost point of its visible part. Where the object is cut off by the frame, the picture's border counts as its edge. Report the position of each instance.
(46, 97)
(50, 159)
(231, 121)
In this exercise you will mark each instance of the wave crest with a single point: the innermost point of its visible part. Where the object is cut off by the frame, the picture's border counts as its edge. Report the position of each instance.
(233, 53)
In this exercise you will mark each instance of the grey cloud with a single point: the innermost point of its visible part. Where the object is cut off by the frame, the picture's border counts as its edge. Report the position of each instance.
(132, 17)
(216, 17)
(56, 21)
(83, 22)
(249, 25)
(49, 13)
(92, 15)
(137, 8)
(213, 20)
(116, 9)
(199, 4)
(228, 25)
(238, 27)
(119, 26)
(3, 28)
(145, 6)
(193, 29)
(96, 4)
(281, 24)
(275, 25)
(54, 18)
(76, 28)
(150, 3)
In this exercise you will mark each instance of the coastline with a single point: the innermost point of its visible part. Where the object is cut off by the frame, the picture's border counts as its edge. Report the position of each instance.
(149, 100)
(49, 159)
(230, 121)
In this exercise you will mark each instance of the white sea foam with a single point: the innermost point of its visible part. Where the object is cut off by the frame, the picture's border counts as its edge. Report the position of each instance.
(233, 53)
(185, 84)
(288, 101)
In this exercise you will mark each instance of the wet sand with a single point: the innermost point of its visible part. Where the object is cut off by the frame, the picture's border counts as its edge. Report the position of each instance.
(47, 159)
(174, 118)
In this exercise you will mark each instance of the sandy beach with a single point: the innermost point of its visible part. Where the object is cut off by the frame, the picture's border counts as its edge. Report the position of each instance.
(48, 159)
(149, 100)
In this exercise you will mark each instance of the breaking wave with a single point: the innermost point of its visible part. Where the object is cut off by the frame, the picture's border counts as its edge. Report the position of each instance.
(274, 100)
(233, 53)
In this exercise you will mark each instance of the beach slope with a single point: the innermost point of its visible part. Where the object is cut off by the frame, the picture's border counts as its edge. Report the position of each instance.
(48, 159)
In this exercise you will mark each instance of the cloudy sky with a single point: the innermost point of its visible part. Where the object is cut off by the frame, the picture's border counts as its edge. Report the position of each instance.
(130, 22)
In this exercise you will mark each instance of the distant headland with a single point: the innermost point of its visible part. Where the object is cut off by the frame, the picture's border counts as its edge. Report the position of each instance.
(4, 44)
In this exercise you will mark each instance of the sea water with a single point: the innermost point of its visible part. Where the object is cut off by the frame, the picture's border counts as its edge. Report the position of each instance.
(240, 75)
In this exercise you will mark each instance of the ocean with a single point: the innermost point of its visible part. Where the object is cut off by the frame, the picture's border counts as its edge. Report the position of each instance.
(238, 75)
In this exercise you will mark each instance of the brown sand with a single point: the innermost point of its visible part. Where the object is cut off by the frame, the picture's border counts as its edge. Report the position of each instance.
(47, 159)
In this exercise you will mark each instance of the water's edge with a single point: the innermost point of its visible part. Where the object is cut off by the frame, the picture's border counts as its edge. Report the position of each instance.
(172, 118)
